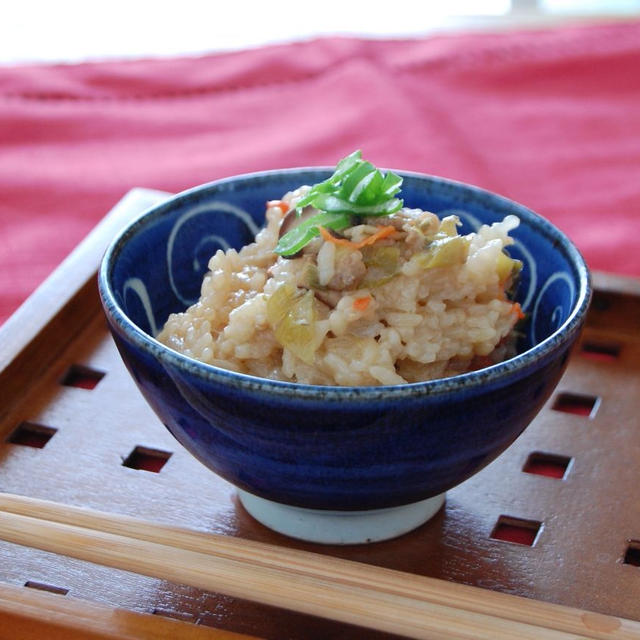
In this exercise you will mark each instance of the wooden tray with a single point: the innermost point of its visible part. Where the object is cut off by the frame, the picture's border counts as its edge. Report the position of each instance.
(555, 519)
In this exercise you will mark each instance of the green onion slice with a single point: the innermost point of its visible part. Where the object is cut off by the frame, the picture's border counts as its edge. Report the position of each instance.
(356, 188)
(300, 236)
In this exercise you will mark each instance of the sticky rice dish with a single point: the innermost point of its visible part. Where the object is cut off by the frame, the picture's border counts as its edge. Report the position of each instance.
(388, 299)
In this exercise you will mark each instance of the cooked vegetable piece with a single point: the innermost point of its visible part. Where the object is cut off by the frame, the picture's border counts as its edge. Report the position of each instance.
(292, 316)
(506, 267)
(517, 309)
(294, 218)
(281, 204)
(383, 263)
(278, 304)
(362, 304)
(310, 277)
(385, 258)
(444, 252)
(449, 226)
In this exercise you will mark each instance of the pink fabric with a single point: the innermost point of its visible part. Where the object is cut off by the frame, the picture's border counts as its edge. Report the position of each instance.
(549, 118)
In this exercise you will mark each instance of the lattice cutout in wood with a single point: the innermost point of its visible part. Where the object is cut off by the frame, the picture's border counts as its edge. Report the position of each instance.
(41, 586)
(632, 554)
(82, 377)
(577, 403)
(147, 459)
(601, 350)
(31, 434)
(547, 464)
(517, 530)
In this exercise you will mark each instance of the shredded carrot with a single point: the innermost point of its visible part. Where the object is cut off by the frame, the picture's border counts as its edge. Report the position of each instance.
(361, 304)
(382, 232)
(329, 238)
(283, 206)
(517, 309)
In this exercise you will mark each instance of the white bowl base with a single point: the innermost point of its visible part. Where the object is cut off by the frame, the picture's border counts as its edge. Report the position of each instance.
(340, 527)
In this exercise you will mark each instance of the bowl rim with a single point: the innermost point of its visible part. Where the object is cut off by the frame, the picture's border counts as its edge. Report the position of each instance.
(498, 374)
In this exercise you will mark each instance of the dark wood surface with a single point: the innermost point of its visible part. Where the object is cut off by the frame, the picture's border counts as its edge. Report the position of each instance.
(74, 429)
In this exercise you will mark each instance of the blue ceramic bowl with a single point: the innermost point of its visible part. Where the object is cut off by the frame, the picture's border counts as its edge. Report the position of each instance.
(334, 448)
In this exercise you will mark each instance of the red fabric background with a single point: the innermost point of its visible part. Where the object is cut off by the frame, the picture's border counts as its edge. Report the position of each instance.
(549, 118)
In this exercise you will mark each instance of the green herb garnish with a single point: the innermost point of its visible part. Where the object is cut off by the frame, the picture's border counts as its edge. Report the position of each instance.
(356, 188)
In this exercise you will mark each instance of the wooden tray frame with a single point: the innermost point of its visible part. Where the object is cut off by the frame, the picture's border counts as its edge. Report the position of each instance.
(70, 297)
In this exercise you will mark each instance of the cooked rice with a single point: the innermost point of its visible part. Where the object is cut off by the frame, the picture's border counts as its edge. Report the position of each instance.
(374, 316)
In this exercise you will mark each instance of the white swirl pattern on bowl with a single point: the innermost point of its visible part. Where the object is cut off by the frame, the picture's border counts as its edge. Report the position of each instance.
(208, 209)
(136, 284)
(558, 315)
(140, 289)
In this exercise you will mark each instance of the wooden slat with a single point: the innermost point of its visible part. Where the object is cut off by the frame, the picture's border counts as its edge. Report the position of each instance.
(26, 614)
(341, 590)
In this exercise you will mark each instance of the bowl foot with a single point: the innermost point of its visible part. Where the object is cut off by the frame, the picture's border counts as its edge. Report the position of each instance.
(340, 527)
